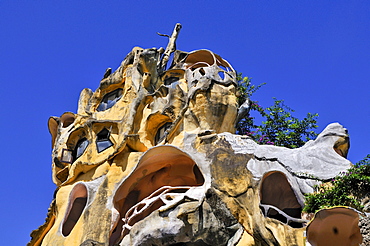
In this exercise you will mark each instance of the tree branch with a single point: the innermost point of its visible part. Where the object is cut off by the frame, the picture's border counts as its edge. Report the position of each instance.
(171, 46)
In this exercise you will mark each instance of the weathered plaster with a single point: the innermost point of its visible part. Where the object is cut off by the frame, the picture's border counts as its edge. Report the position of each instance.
(169, 168)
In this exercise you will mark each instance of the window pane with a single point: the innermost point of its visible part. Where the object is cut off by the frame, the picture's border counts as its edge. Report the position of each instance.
(81, 146)
(102, 106)
(170, 80)
(102, 140)
(103, 145)
(67, 156)
(103, 135)
(160, 132)
(110, 99)
(110, 104)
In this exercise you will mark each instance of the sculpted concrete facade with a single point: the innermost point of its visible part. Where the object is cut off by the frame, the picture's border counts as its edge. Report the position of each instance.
(151, 158)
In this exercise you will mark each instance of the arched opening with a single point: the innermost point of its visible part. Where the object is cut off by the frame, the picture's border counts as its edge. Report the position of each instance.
(160, 135)
(162, 174)
(67, 119)
(171, 77)
(203, 58)
(76, 205)
(278, 200)
(205, 63)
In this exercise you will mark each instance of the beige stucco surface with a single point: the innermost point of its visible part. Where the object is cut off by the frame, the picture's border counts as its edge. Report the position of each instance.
(162, 165)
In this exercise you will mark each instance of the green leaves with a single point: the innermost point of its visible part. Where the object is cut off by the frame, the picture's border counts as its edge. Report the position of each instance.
(347, 189)
(246, 89)
(278, 127)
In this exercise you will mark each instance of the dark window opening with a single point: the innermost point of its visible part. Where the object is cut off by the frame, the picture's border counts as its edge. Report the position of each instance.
(170, 80)
(58, 163)
(80, 148)
(109, 100)
(102, 141)
(159, 136)
(202, 72)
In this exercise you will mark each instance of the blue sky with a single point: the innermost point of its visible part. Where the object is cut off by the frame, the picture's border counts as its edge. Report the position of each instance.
(313, 54)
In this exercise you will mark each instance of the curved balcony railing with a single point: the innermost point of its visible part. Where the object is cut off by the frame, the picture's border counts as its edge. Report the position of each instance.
(266, 209)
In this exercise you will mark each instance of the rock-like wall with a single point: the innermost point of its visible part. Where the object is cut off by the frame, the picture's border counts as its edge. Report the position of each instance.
(151, 158)
(364, 225)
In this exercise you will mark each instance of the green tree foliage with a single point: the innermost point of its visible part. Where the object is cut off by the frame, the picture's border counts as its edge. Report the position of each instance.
(279, 126)
(347, 189)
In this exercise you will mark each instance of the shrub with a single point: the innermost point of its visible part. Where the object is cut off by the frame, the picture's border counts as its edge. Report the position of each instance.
(279, 127)
(346, 189)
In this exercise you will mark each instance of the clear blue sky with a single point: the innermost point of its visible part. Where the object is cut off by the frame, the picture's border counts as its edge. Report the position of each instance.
(313, 54)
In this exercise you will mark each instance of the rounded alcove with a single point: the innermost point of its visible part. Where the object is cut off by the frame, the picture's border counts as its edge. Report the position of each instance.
(67, 119)
(278, 200)
(206, 63)
(172, 77)
(76, 204)
(341, 146)
(156, 127)
(162, 173)
(203, 58)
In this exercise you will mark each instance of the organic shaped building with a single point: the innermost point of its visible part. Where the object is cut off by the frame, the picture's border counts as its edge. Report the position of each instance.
(151, 158)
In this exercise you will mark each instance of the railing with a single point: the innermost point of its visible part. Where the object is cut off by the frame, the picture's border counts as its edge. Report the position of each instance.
(266, 209)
